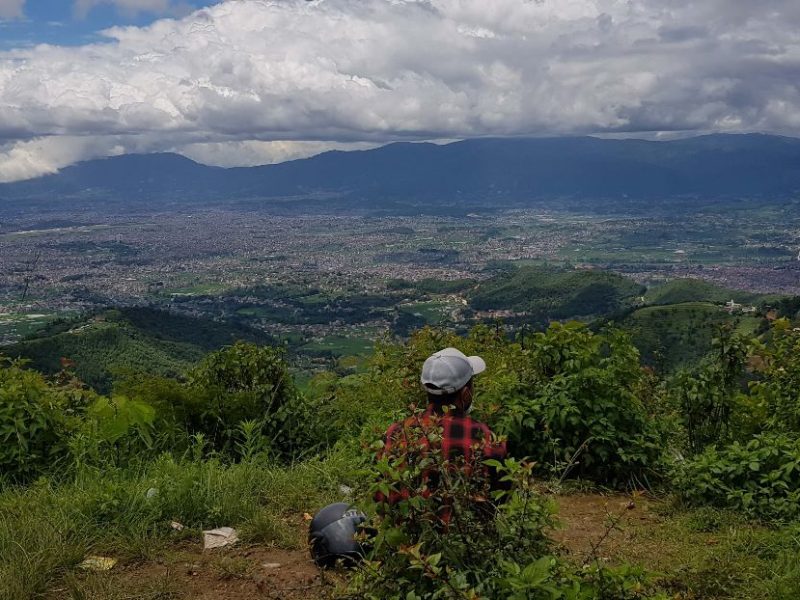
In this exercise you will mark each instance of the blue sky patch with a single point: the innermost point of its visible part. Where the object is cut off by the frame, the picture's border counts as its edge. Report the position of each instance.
(56, 22)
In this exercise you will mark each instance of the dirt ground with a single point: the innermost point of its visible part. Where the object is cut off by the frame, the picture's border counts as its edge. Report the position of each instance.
(592, 527)
(235, 573)
(602, 526)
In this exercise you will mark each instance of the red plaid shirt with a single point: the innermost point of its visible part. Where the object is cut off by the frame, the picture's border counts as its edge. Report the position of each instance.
(461, 437)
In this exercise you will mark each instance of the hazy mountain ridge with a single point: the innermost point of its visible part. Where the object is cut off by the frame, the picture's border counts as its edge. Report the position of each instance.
(714, 166)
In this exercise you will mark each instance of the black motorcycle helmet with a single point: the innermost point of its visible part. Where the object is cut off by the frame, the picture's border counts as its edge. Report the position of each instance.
(332, 535)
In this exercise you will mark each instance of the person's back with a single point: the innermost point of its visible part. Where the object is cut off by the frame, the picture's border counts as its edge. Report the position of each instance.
(445, 427)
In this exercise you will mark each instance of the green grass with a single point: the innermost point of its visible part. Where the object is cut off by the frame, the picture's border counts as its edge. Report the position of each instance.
(715, 555)
(48, 528)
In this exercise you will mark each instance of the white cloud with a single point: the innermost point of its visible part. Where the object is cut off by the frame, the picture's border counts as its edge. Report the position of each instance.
(11, 9)
(43, 156)
(226, 78)
(251, 153)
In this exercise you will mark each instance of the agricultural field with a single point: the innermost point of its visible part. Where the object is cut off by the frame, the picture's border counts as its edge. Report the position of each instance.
(20, 325)
(340, 346)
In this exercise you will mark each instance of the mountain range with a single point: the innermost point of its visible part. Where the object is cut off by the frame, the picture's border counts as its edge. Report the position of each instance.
(507, 169)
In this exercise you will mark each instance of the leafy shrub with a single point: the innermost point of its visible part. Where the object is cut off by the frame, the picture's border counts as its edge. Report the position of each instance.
(707, 396)
(490, 544)
(568, 394)
(581, 403)
(775, 396)
(114, 431)
(248, 382)
(35, 420)
(760, 478)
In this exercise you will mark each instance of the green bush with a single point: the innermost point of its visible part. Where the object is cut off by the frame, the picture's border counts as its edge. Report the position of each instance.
(708, 395)
(248, 382)
(461, 538)
(761, 478)
(569, 397)
(581, 405)
(35, 421)
(775, 395)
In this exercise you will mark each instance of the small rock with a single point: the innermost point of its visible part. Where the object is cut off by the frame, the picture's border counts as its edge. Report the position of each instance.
(271, 565)
(194, 569)
(176, 526)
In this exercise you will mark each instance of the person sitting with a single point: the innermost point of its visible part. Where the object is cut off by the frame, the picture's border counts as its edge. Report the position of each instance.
(446, 428)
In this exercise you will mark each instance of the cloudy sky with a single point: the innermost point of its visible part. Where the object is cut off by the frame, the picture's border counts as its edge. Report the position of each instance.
(256, 81)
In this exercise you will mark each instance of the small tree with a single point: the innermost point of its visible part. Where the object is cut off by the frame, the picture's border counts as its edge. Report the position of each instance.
(707, 395)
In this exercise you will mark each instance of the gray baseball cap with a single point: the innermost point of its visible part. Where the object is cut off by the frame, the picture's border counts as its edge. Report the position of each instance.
(449, 370)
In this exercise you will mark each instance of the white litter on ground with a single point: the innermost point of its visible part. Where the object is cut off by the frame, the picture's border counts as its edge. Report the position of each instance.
(219, 537)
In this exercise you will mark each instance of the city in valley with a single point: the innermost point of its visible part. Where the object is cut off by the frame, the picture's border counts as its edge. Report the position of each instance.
(337, 282)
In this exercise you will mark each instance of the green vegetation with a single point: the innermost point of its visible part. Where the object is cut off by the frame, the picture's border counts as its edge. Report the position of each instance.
(492, 544)
(234, 442)
(106, 344)
(340, 345)
(432, 312)
(547, 293)
(50, 527)
(675, 335)
(22, 324)
(679, 291)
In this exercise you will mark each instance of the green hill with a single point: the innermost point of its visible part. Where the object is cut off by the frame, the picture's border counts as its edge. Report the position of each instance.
(677, 335)
(678, 291)
(549, 293)
(128, 339)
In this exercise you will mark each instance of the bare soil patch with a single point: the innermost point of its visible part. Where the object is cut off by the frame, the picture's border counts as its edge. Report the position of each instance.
(236, 573)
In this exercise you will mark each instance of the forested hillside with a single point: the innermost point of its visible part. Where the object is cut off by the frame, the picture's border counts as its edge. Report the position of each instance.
(549, 293)
(678, 291)
(106, 344)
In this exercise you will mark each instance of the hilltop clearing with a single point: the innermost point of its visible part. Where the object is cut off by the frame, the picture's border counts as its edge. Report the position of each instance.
(696, 554)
